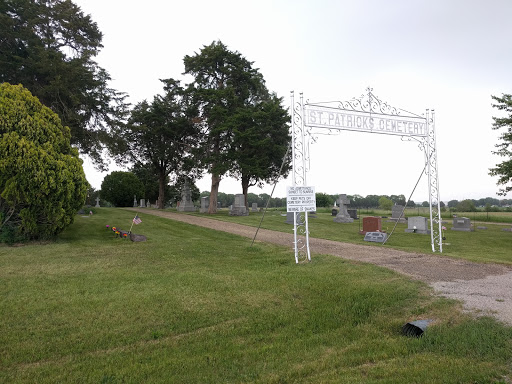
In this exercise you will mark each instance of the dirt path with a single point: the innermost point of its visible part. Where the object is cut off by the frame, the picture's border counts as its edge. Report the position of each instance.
(483, 288)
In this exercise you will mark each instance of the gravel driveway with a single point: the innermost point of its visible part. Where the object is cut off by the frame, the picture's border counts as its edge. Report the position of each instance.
(483, 288)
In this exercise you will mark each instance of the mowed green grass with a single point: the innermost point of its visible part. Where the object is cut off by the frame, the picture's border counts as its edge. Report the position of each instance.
(491, 245)
(193, 305)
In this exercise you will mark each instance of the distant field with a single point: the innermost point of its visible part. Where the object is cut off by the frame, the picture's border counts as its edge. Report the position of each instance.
(193, 305)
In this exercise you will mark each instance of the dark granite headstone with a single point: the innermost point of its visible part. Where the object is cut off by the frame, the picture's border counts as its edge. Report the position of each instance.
(376, 237)
(352, 213)
(462, 224)
(137, 238)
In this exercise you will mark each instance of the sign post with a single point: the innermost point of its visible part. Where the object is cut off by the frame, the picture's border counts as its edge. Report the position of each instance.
(300, 200)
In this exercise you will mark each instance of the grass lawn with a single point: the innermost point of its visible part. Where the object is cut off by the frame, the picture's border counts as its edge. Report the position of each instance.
(492, 245)
(192, 305)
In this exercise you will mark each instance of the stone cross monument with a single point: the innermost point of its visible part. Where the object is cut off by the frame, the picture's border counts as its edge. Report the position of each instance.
(343, 216)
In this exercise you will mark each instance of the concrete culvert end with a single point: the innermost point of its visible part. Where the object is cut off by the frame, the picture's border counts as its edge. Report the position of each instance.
(415, 328)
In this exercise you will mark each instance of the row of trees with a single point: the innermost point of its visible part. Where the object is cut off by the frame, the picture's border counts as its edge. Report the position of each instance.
(225, 121)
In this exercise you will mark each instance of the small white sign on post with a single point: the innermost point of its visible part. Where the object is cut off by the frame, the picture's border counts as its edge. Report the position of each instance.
(300, 199)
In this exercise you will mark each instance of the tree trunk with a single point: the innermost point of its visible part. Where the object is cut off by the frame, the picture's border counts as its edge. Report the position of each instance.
(214, 191)
(161, 189)
(245, 189)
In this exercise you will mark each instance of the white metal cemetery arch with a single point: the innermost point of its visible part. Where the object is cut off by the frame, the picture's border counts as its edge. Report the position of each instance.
(364, 114)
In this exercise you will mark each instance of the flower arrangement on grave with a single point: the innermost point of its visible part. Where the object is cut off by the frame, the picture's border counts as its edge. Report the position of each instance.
(107, 226)
(125, 235)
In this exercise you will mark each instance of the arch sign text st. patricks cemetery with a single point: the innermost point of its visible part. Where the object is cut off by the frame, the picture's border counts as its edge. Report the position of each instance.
(364, 114)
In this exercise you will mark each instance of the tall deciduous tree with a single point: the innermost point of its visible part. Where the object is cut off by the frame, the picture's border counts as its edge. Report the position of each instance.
(504, 169)
(225, 83)
(49, 46)
(260, 141)
(162, 134)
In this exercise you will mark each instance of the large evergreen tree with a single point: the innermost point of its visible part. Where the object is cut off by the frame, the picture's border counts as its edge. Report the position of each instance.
(49, 47)
(504, 169)
(225, 84)
(260, 141)
(162, 135)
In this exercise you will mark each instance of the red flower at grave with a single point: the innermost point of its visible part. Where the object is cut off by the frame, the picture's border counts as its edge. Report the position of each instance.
(108, 226)
(114, 229)
(125, 235)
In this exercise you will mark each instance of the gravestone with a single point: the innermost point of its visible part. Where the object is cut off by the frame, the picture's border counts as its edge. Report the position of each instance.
(97, 202)
(396, 212)
(137, 238)
(353, 213)
(134, 201)
(148, 205)
(254, 207)
(376, 237)
(239, 208)
(371, 224)
(343, 216)
(143, 203)
(289, 218)
(186, 203)
(312, 214)
(205, 204)
(334, 212)
(417, 224)
(462, 224)
(507, 229)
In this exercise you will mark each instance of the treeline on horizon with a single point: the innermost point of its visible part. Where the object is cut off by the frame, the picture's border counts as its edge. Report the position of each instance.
(325, 200)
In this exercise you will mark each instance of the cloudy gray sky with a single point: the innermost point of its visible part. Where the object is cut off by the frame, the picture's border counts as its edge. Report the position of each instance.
(446, 55)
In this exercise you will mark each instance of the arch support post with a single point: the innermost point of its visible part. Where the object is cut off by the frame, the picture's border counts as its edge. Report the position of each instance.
(299, 159)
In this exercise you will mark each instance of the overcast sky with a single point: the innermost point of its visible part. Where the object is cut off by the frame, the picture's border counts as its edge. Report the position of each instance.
(446, 55)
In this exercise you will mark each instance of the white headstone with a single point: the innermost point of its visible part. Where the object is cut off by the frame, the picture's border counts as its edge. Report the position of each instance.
(186, 203)
(205, 204)
(239, 208)
(417, 224)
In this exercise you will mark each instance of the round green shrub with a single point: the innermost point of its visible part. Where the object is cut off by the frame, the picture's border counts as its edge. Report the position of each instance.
(119, 188)
(42, 182)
